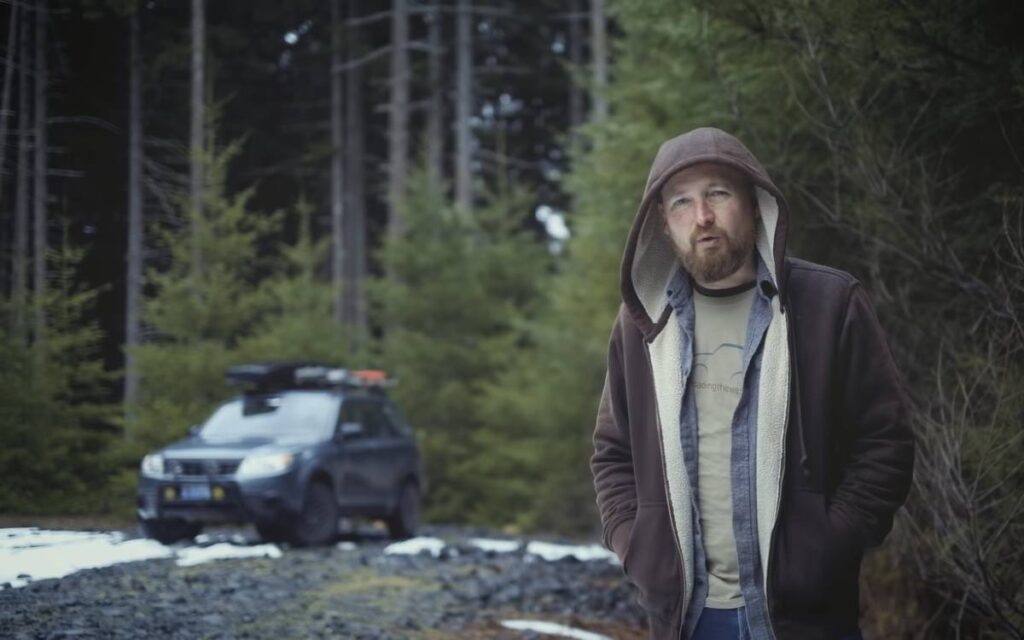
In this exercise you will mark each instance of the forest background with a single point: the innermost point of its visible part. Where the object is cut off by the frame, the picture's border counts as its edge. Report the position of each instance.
(443, 189)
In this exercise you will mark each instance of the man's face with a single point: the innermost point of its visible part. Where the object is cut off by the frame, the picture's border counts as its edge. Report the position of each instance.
(709, 214)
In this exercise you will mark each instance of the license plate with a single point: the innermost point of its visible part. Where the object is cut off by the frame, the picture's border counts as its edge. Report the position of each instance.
(195, 492)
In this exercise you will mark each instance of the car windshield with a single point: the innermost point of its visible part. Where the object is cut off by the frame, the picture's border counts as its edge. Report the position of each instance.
(293, 414)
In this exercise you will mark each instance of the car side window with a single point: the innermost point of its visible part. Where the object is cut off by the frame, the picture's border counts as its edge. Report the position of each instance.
(354, 411)
(376, 423)
(395, 421)
(368, 414)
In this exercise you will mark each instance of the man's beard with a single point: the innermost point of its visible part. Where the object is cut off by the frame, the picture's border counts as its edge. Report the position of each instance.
(722, 261)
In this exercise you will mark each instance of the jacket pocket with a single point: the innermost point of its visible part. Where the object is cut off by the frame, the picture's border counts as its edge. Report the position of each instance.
(651, 561)
(818, 557)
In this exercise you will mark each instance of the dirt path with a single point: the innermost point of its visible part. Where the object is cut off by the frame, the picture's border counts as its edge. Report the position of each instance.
(349, 590)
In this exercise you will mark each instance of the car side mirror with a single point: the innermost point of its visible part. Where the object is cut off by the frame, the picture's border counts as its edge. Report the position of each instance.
(194, 430)
(351, 430)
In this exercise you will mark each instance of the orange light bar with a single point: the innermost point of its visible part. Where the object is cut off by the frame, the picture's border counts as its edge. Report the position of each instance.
(371, 375)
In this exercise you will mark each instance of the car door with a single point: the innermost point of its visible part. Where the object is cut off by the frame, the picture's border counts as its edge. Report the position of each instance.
(379, 455)
(401, 451)
(333, 454)
(356, 452)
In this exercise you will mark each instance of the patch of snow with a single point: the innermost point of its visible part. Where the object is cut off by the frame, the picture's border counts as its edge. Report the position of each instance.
(414, 546)
(583, 553)
(29, 554)
(25, 558)
(497, 546)
(27, 537)
(190, 556)
(551, 629)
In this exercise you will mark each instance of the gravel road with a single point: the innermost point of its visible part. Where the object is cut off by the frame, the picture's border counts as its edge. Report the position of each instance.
(348, 590)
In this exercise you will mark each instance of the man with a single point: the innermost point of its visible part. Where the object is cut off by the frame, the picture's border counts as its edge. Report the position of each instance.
(752, 437)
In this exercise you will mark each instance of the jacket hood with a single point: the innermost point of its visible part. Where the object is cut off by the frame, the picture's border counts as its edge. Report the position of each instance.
(650, 262)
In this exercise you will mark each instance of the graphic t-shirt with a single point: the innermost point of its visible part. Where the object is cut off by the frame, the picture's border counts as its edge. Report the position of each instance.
(717, 377)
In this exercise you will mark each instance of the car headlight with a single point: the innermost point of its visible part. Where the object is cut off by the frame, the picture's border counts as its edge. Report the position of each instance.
(153, 465)
(268, 464)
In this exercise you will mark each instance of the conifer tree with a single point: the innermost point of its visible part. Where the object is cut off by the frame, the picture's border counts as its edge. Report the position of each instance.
(198, 319)
(249, 304)
(57, 427)
(458, 292)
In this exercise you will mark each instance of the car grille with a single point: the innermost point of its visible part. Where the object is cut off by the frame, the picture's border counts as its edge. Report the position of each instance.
(201, 467)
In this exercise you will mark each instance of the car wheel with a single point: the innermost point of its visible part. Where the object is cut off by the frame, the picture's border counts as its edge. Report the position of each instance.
(406, 519)
(169, 531)
(317, 523)
(272, 532)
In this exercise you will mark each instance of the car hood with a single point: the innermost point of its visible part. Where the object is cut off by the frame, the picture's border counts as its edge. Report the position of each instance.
(198, 448)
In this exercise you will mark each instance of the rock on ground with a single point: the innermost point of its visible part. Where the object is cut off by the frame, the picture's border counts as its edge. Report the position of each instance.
(336, 591)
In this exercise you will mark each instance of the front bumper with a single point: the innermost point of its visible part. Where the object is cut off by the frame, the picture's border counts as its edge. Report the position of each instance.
(230, 500)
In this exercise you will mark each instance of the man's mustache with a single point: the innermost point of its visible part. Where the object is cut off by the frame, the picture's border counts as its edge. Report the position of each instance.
(710, 231)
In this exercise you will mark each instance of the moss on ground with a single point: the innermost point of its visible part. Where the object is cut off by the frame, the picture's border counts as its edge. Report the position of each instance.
(360, 597)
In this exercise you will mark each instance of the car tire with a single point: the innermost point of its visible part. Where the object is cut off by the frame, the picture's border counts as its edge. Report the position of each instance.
(405, 520)
(272, 532)
(169, 531)
(317, 523)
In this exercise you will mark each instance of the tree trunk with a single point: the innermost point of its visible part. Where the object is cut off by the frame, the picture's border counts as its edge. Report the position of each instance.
(464, 104)
(599, 60)
(39, 179)
(398, 117)
(19, 290)
(435, 115)
(5, 99)
(355, 180)
(133, 303)
(576, 63)
(337, 173)
(196, 147)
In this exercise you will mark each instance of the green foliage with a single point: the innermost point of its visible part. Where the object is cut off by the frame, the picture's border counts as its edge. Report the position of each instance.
(298, 323)
(454, 301)
(245, 304)
(56, 428)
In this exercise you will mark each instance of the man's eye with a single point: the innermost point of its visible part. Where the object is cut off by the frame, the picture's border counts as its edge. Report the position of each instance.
(718, 194)
(679, 202)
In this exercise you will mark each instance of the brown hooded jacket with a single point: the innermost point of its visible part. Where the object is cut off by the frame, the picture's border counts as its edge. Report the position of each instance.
(834, 451)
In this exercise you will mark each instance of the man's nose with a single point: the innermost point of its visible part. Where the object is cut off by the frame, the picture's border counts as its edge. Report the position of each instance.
(705, 214)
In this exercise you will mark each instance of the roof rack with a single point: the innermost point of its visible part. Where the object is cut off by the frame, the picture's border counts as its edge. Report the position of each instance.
(276, 376)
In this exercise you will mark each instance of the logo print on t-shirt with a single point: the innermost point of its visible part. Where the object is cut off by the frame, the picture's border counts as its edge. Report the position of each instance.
(704, 363)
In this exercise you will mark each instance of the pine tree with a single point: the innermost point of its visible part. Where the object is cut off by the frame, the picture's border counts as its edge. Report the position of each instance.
(458, 292)
(298, 322)
(198, 319)
(57, 429)
(250, 303)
